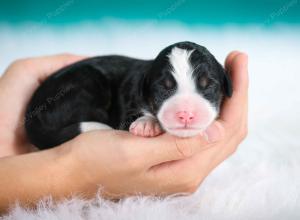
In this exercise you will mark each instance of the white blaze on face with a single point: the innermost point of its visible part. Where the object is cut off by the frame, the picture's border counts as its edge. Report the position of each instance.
(187, 112)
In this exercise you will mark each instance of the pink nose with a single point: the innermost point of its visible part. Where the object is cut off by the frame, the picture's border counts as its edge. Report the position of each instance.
(185, 117)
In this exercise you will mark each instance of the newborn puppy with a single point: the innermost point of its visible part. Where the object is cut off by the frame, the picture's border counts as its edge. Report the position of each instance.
(179, 92)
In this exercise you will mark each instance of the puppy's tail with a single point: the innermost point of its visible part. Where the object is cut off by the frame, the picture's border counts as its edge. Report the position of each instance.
(48, 139)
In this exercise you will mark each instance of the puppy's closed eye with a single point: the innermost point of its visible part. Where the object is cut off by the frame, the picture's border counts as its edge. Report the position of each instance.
(203, 81)
(169, 84)
(168, 81)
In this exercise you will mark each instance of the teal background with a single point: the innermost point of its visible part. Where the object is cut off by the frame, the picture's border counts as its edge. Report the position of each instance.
(57, 12)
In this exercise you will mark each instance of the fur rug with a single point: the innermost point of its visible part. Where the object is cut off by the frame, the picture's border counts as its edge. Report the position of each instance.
(260, 181)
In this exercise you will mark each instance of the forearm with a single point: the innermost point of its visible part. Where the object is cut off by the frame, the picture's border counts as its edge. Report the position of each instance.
(29, 177)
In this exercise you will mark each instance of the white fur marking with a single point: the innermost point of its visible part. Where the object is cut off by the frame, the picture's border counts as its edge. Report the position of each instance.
(92, 126)
(147, 113)
(182, 69)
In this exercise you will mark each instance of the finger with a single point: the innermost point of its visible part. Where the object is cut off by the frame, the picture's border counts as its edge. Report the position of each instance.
(193, 169)
(235, 106)
(21, 80)
(163, 148)
(188, 171)
(230, 58)
(239, 73)
(29, 73)
(215, 132)
(42, 67)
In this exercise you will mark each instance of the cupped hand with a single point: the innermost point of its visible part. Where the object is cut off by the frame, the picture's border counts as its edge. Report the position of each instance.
(116, 161)
(123, 164)
(17, 85)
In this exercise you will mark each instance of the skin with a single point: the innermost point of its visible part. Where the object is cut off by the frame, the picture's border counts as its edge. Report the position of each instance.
(118, 162)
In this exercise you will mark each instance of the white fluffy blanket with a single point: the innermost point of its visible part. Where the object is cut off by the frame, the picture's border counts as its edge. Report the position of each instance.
(261, 181)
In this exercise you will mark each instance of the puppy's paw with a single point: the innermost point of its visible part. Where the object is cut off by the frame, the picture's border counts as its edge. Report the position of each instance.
(145, 126)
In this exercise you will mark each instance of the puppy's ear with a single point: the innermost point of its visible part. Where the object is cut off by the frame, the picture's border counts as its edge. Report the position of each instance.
(227, 84)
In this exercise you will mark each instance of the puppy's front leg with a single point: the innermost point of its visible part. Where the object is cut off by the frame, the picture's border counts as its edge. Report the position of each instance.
(145, 126)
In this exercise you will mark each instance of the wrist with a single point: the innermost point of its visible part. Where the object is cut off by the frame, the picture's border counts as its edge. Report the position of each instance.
(56, 165)
(72, 165)
(40, 174)
(64, 170)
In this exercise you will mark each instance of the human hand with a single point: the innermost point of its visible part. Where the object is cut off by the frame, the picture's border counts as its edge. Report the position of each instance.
(120, 162)
(17, 85)
(124, 164)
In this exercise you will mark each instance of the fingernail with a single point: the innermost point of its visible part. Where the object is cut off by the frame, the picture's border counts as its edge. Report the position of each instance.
(212, 133)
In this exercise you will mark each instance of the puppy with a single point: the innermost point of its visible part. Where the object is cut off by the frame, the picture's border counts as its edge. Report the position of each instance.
(179, 92)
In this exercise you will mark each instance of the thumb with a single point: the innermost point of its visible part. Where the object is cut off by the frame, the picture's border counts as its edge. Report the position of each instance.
(165, 148)
(45, 66)
(214, 132)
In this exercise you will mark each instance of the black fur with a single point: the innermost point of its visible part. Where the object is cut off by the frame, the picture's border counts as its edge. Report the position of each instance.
(113, 90)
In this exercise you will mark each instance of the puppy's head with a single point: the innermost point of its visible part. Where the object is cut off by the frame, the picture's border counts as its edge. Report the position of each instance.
(184, 88)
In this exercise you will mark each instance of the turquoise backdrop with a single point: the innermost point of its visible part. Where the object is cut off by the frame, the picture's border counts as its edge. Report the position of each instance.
(266, 12)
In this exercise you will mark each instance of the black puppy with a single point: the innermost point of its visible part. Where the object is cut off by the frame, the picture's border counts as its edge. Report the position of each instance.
(179, 92)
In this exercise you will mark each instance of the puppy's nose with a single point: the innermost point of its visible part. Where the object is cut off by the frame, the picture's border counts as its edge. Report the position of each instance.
(185, 117)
